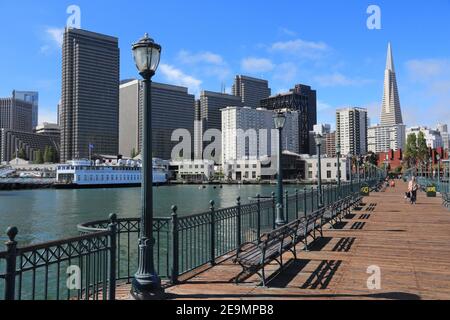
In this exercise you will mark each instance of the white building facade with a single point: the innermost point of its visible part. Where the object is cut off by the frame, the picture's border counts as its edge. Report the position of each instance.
(249, 134)
(432, 137)
(385, 138)
(351, 130)
(329, 169)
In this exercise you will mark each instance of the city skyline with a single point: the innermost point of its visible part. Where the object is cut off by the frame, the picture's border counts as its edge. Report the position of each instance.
(345, 70)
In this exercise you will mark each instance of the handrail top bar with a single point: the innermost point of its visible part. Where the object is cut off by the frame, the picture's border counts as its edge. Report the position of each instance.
(48, 244)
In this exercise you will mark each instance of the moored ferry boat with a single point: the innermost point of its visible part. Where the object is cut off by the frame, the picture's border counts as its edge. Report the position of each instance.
(88, 174)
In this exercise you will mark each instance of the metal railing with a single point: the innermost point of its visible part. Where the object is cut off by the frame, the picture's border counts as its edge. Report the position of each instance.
(106, 251)
(77, 268)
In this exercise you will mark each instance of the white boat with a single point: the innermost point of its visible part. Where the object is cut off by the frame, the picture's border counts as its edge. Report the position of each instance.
(87, 174)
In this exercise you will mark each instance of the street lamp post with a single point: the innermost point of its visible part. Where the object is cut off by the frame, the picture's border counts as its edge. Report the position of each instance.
(319, 168)
(338, 155)
(438, 159)
(146, 283)
(280, 120)
(349, 156)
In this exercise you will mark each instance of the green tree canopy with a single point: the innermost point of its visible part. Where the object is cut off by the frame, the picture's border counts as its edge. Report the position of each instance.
(39, 159)
(410, 154)
(422, 148)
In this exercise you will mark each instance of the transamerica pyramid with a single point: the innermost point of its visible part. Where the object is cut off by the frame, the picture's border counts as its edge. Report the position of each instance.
(391, 113)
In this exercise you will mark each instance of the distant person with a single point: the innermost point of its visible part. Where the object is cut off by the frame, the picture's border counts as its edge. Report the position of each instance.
(413, 186)
(392, 183)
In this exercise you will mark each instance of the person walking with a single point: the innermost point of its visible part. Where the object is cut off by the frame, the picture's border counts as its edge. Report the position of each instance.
(413, 186)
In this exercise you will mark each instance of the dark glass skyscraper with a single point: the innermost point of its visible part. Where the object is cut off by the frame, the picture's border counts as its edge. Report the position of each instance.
(89, 110)
(304, 100)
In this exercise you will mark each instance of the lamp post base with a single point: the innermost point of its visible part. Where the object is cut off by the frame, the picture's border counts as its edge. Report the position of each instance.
(148, 290)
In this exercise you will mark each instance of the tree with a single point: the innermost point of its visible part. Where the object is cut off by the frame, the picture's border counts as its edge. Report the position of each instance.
(422, 148)
(133, 153)
(22, 154)
(39, 159)
(47, 155)
(410, 154)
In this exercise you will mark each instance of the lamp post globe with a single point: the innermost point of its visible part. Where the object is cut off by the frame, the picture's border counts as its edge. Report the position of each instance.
(279, 121)
(318, 139)
(146, 283)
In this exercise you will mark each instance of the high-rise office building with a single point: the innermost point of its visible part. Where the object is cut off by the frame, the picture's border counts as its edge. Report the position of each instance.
(16, 114)
(303, 100)
(89, 109)
(386, 138)
(208, 108)
(33, 98)
(351, 131)
(443, 130)
(251, 90)
(391, 113)
(250, 134)
(172, 109)
(330, 144)
(12, 142)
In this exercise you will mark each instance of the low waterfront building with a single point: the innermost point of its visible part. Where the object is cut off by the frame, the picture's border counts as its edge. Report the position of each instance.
(193, 171)
(255, 170)
(329, 169)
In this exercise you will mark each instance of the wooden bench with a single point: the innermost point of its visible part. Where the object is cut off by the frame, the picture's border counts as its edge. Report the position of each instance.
(254, 256)
(309, 227)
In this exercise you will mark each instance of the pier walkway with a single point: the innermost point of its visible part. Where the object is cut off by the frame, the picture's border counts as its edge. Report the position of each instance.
(409, 244)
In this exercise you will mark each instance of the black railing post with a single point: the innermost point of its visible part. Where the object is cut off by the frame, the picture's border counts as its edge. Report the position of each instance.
(258, 217)
(212, 258)
(238, 223)
(112, 227)
(296, 204)
(175, 244)
(287, 205)
(11, 257)
(274, 212)
(312, 199)
(305, 203)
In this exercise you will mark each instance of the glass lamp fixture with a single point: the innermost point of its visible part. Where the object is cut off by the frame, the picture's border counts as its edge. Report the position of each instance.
(280, 120)
(146, 54)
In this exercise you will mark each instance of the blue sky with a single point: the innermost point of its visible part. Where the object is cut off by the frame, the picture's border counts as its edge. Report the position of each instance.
(205, 43)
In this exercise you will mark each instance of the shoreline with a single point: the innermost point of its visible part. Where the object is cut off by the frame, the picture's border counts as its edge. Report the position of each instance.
(12, 186)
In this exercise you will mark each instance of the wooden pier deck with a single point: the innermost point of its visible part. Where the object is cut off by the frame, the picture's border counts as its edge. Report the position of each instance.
(409, 244)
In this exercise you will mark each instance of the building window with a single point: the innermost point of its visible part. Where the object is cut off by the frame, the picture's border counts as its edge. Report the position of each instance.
(328, 174)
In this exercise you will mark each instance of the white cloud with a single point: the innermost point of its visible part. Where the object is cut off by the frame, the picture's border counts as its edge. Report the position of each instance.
(56, 35)
(322, 106)
(178, 77)
(286, 72)
(187, 57)
(255, 65)
(339, 80)
(424, 70)
(306, 49)
(287, 32)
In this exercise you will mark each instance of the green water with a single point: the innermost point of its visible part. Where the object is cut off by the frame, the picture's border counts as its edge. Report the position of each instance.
(43, 215)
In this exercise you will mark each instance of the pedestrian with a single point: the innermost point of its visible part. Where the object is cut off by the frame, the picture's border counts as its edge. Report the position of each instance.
(413, 186)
